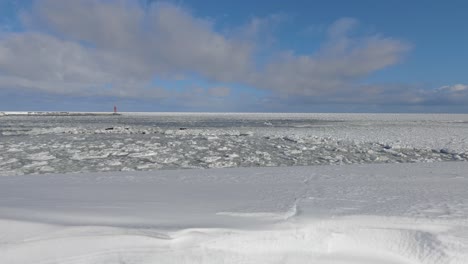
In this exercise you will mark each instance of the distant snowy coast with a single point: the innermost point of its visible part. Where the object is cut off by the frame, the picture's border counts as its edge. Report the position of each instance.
(40, 113)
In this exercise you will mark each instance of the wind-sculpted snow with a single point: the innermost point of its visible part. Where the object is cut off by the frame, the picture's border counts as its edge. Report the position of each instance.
(62, 144)
(356, 214)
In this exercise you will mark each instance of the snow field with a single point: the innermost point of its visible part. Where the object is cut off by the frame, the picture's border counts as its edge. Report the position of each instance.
(346, 240)
(372, 213)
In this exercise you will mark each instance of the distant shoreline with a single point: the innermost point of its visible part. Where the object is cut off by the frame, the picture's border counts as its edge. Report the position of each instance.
(41, 113)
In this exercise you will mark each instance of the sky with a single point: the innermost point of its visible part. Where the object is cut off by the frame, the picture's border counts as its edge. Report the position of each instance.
(234, 56)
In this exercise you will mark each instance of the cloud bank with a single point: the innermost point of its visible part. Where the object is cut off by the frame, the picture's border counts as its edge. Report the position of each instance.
(117, 48)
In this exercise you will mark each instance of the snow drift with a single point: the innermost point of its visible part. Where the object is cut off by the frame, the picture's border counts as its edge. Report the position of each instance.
(374, 213)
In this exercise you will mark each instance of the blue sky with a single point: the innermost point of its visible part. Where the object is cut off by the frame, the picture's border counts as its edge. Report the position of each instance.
(235, 56)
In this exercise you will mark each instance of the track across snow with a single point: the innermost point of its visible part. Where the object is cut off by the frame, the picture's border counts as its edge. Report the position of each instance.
(373, 213)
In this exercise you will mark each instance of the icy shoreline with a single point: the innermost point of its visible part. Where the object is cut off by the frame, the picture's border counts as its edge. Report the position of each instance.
(387, 213)
(149, 141)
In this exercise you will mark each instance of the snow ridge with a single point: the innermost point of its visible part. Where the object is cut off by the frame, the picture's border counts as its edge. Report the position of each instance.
(373, 213)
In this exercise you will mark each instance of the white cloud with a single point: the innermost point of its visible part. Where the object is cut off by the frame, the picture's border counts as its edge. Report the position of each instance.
(219, 91)
(336, 67)
(454, 88)
(39, 61)
(80, 47)
(342, 27)
(165, 38)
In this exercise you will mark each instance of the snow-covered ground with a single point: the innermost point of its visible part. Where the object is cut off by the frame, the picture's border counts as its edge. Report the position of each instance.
(373, 213)
(396, 193)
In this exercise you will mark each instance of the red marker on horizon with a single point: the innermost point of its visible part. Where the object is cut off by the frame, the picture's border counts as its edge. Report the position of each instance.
(115, 109)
